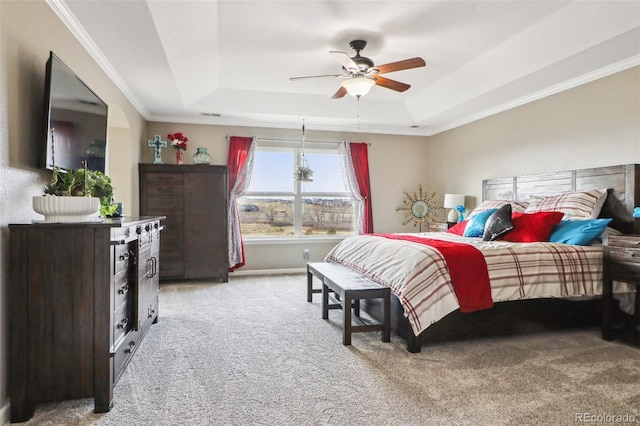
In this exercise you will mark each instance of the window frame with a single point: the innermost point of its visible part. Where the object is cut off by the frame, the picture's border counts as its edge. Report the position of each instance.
(298, 194)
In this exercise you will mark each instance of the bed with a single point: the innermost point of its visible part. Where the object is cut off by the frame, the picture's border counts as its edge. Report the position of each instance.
(541, 279)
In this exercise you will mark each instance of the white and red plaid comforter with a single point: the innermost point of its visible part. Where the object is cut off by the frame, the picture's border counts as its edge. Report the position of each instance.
(417, 274)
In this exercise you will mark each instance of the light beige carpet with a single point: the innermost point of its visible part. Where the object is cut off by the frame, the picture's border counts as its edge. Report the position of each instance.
(254, 352)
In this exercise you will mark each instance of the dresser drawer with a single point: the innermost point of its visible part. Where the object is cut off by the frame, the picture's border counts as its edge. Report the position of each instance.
(123, 353)
(165, 190)
(165, 178)
(159, 205)
(121, 287)
(121, 259)
(623, 253)
(437, 227)
(122, 324)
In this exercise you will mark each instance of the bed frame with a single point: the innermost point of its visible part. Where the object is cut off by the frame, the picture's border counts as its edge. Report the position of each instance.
(517, 317)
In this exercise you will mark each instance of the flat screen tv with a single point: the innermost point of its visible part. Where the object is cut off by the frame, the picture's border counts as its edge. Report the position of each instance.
(75, 121)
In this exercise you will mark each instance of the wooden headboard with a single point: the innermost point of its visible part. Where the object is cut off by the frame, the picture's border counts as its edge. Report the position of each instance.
(622, 182)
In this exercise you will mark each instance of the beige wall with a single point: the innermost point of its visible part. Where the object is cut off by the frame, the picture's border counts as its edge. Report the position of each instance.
(597, 124)
(28, 31)
(397, 164)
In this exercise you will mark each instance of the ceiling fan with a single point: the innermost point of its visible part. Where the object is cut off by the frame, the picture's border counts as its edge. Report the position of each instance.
(361, 74)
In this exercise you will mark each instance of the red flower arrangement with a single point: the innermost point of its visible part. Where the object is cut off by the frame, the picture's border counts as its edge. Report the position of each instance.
(178, 140)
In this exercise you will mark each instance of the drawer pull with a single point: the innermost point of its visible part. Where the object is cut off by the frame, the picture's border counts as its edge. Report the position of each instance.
(129, 349)
(123, 324)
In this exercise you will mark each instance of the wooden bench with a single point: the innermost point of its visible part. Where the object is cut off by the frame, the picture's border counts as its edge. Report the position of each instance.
(349, 288)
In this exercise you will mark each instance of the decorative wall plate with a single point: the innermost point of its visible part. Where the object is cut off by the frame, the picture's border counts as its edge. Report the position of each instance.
(419, 208)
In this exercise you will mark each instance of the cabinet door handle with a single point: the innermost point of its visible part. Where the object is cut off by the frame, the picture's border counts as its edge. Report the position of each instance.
(124, 288)
(130, 347)
(123, 324)
(149, 272)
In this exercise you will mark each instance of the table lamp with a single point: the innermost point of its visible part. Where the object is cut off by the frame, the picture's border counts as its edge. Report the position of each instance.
(451, 201)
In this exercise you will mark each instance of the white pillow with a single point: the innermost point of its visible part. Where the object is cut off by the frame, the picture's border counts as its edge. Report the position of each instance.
(574, 205)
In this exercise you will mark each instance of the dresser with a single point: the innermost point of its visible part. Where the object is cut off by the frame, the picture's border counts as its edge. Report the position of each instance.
(193, 198)
(82, 297)
(621, 263)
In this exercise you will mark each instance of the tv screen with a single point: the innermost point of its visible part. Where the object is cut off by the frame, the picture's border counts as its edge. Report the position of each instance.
(75, 121)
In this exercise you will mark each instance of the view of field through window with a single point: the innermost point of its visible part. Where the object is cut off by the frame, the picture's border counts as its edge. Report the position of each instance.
(277, 206)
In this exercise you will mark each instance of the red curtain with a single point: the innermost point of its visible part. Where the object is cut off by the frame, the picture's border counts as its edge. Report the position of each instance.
(360, 160)
(238, 153)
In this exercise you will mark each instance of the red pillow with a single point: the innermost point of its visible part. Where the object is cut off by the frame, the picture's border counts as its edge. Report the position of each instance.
(532, 227)
(458, 228)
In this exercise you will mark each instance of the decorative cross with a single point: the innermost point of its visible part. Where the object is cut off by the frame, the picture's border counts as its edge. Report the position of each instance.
(157, 145)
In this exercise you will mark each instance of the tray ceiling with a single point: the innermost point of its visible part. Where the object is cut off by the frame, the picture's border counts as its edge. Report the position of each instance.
(229, 62)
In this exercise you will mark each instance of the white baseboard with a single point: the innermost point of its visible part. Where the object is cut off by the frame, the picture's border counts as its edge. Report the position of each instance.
(5, 414)
(240, 272)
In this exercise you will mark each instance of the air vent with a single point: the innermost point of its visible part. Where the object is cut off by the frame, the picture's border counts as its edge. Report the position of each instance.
(210, 114)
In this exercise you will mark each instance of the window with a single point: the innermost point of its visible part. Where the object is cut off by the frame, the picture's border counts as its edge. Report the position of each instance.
(277, 206)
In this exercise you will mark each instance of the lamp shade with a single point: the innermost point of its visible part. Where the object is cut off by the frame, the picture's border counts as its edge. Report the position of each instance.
(358, 86)
(451, 201)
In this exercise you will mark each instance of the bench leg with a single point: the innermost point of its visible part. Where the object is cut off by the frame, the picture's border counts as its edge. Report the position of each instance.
(325, 301)
(309, 286)
(386, 317)
(356, 307)
(607, 309)
(346, 310)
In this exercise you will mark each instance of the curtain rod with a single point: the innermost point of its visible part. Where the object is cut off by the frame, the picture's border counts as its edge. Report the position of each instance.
(294, 140)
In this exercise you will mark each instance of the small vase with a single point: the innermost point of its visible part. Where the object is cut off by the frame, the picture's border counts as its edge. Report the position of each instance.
(201, 156)
(179, 156)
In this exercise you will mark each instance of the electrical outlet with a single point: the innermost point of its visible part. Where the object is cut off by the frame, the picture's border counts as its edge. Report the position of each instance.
(305, 254)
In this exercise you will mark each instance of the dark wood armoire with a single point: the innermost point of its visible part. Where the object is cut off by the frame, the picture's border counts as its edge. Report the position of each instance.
(194, 200)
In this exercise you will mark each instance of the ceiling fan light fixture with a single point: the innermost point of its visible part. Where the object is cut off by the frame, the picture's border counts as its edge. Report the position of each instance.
(358, 86)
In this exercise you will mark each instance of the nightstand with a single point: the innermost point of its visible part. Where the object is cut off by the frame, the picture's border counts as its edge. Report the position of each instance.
(437, 227)
(621, 263)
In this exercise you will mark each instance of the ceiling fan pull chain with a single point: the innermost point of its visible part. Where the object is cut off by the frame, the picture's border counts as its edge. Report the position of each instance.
(358, 114)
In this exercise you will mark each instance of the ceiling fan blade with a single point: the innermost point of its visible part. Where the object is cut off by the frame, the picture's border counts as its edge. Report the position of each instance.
(391, 84)
(319, 76)
(400, 65)
(340, 93)
(345, 60)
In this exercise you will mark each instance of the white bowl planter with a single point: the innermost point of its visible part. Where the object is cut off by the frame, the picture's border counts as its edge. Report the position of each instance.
(66, 209)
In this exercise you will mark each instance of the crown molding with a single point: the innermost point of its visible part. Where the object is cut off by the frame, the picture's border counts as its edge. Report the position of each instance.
(81, 35)
(552, 90)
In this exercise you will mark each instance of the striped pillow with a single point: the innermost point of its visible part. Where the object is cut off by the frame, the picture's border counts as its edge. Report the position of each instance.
(516, 206)
(574, 205)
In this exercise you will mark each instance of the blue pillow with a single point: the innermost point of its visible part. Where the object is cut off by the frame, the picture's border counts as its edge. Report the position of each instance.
(475, 225)
(578, 232)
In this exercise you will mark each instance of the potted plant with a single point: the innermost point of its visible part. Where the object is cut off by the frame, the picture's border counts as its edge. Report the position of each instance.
(304, 174)
(74, 195)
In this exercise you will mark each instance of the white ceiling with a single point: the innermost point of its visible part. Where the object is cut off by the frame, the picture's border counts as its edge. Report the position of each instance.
(178, 59)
